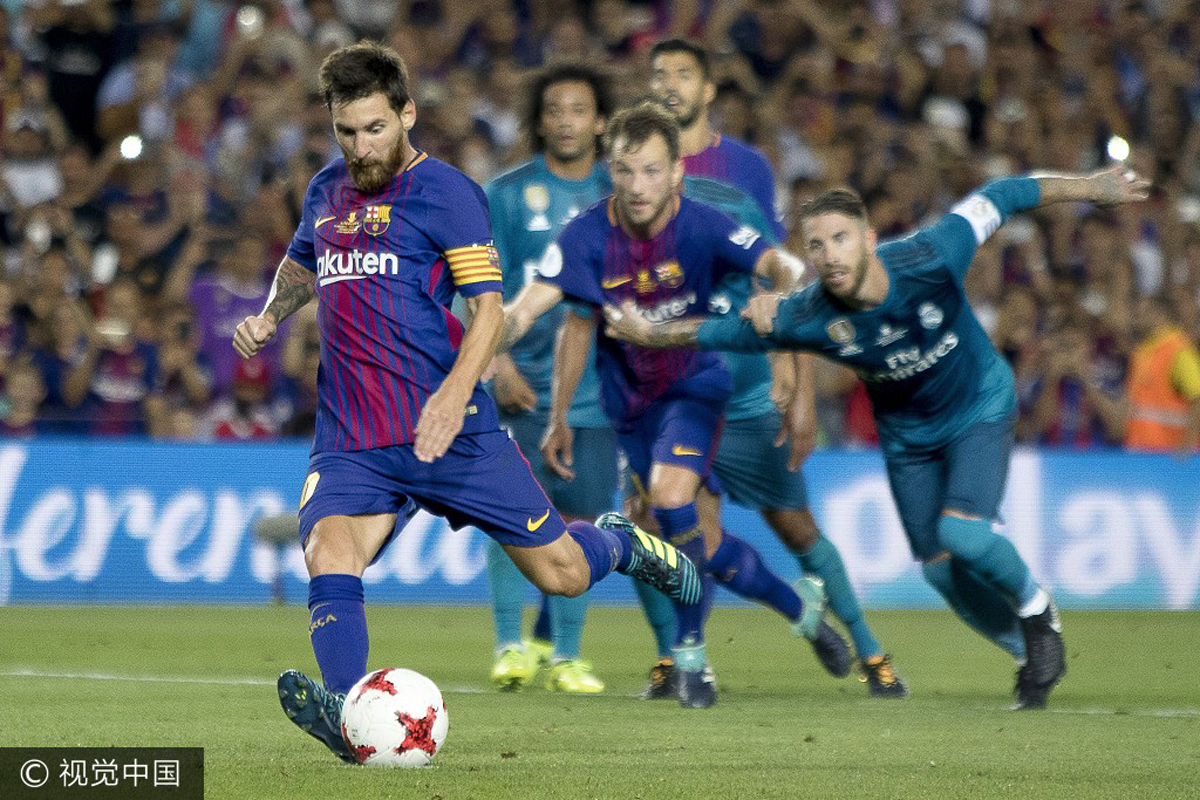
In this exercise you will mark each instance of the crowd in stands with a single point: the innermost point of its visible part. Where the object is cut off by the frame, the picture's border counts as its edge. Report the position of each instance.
(154, 155)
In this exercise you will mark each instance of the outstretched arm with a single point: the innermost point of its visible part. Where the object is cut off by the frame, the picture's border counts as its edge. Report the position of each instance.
(627, 324)
(534, 300)
(986, 209)
(706, 333)
(1106, 187)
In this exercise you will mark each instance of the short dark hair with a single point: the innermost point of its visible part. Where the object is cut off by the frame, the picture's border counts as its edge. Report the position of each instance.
(360, 70)
(678, 45)
(846, 202)
(637, 123)
(565, 72)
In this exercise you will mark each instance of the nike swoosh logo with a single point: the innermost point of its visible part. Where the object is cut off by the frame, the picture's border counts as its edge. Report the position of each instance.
(532, 525)
(612, 283)
(680, 450)
(323, 220)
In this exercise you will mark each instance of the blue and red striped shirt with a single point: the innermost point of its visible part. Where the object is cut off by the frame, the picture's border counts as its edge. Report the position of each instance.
(388, 265)
(736, 163)
(671, 275)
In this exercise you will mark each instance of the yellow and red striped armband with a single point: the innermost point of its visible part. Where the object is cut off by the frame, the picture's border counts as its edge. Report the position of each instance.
(473, 264)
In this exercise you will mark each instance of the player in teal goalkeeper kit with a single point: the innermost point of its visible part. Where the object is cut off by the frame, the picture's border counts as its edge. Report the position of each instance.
(529, 205)
(943, 398)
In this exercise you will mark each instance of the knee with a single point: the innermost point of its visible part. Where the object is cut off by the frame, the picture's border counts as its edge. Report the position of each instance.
(965, 537)
(670, 497)
(328, 552)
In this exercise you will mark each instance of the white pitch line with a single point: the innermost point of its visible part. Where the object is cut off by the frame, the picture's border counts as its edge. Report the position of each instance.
(104, 676)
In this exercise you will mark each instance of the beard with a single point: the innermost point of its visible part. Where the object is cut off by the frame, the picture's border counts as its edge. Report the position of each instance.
(688, 115)
(371, 176)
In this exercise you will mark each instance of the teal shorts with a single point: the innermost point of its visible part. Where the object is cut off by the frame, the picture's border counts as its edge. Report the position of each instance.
(592, 493)
(753, 472)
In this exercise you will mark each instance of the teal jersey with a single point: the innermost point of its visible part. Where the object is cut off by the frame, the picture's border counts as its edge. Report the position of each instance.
(929, 367)
(751, 371)
(529, 206)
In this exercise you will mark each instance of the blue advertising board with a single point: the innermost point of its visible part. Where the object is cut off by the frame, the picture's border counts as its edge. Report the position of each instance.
(137, 522)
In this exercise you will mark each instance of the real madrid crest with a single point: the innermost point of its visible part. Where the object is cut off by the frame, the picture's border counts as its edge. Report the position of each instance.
(376, 219)
(930, 316)
(537, 199)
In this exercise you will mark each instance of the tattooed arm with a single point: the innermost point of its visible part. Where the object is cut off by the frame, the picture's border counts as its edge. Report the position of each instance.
(627, 324)
(293, 287)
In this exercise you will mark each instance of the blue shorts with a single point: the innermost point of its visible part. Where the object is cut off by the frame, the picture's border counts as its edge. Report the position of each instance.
(753, 471)
(967, 475)
(682, 433)
(595, 451)
(482, 480)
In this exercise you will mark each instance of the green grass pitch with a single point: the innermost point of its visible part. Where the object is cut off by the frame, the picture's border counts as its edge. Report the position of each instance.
(1124, 724)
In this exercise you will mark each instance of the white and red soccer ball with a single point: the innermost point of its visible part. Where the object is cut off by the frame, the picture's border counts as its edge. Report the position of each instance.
(394, 718)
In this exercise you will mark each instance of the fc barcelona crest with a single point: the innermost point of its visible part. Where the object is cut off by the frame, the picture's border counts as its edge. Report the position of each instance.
(376, 219)
(669, 274)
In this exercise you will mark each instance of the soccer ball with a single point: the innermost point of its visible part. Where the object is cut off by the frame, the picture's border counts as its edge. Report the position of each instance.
(394, 718)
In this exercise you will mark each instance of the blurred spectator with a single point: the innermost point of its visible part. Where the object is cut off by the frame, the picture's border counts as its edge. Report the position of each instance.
(62, 345)
(23, 394)
(223, 298)
(1072, 403)
(77, 38)
(1164, 383)
(12, 331)
(117, 377)
(246, 414)
(185, 379)
(83, 179)
(136, 94)
(30, 171)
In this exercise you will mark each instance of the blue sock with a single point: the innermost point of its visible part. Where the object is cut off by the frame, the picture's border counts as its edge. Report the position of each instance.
(739, 567)
(989, 556)
(681, 527)
(978, 604)
(508, 588)
(542, 627)
(824, 561)
(567, 615)
(708, 592)
(660, 613)
(338, 628)
(604, 550)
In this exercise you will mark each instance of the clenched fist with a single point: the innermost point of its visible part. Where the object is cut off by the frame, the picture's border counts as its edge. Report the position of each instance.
(252, 333)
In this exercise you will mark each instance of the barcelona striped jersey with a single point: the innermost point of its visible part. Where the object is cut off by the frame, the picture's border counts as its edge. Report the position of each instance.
(668, 276)
(388, 265)
(736, 178)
